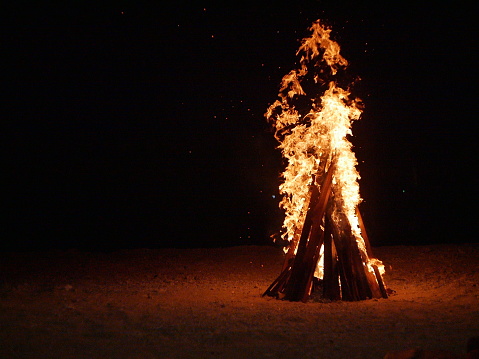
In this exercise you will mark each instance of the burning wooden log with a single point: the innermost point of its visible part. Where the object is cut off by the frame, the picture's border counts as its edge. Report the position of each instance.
(331, 286)
(298, 286)
(345, 276)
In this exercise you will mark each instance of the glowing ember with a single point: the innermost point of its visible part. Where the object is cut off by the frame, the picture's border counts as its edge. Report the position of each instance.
(313, 118)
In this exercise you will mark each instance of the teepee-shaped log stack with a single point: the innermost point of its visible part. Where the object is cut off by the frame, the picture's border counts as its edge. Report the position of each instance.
(327, 240)
(346, 276)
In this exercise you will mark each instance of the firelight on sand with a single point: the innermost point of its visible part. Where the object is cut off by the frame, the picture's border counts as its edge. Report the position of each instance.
(312, 119)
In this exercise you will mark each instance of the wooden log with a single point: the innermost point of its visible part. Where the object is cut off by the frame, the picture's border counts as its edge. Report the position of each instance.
(316, 240)
(331, 288)
(350, 266)
(347, 289)
(382, 287)
(354, 281)
(294, 281)
(361, 283)
(361, 271)
(292, 246)
(278, 283)
(299, 283)
(364, 234)
(312, 258)
(308, 222)
(301, 234)
(375, 279)
(373, 284)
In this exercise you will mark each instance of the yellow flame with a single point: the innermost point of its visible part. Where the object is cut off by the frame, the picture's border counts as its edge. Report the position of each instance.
(309, 142)
(319, 40)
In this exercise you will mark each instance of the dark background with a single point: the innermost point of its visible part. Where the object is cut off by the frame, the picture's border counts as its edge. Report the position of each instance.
(141, 124)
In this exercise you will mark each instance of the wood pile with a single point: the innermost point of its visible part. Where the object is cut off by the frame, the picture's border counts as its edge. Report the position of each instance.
(346, 273)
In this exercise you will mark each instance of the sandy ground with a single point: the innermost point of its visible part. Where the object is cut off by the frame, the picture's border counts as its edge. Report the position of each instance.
(206, 303)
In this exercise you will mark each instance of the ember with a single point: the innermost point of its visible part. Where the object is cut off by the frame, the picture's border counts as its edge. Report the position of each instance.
(322, 225)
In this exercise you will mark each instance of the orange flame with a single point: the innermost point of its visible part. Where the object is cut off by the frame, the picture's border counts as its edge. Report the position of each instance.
(309, 142)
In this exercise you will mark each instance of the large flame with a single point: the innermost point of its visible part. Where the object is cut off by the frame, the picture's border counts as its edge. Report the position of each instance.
(313, 131)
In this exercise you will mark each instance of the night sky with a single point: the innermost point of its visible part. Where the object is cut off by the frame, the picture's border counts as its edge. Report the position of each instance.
(141, 124)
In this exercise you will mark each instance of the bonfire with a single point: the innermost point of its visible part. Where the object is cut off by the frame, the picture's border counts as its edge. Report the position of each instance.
(328, 247)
